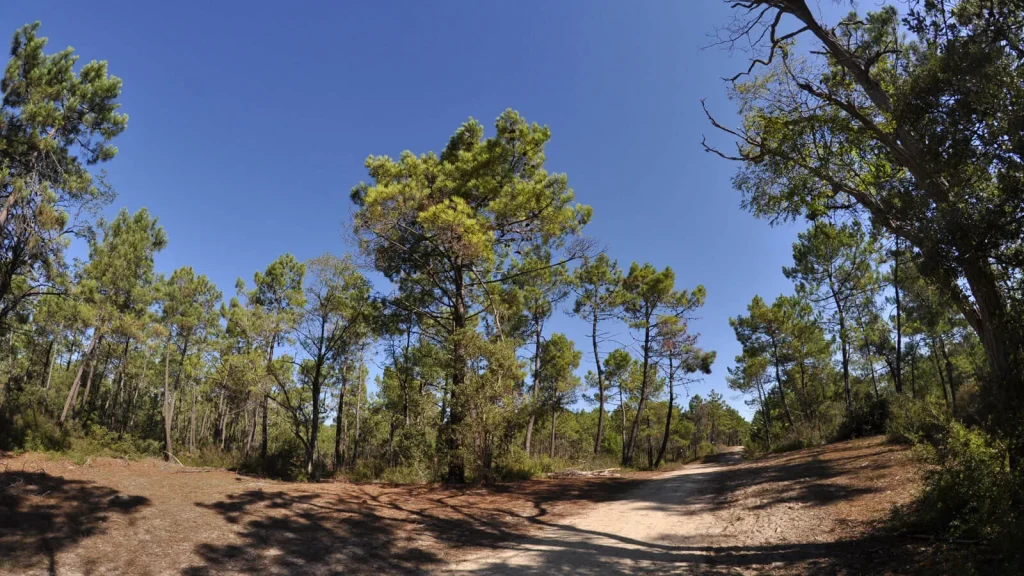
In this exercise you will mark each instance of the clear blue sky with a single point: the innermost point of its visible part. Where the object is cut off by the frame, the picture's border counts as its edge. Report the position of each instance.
(249, 126)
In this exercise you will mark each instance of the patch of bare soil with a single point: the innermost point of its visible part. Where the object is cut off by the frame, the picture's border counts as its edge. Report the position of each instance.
(149, 517)
(813, 511)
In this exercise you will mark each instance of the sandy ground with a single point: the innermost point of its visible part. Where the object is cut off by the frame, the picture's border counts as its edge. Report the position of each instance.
(808, 512)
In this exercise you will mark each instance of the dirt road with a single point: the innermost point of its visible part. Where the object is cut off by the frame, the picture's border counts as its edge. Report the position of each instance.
(725, 516)
(805, 512)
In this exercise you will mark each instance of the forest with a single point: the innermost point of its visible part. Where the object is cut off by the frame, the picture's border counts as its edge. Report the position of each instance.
(420, 348)
(479, 247)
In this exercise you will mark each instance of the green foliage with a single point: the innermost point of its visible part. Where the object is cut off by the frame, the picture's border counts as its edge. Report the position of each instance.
(971, 493)
(914, 421)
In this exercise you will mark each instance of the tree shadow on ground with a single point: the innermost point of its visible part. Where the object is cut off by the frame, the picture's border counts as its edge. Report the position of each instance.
(41, 515)
(387, 529)
(410, 530)
(808, 481)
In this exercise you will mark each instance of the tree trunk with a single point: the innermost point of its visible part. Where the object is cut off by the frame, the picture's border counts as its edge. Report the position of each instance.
(938, 370)
(456, 465)
(898, 375)
(49, 365)
(650, 441)
(953, 388)
(871, 366)
(168, 404)
(778, 380)
(73, 391)
(913, 370)
(600, 387)
(536, 386)
(668, 416)
(627, 459)
(266, 405)
(359, 390)
(339, 423)
(554, 415)
(846, 358)
(765, 417)
(622, 429)
(314, 417)
(192, 424)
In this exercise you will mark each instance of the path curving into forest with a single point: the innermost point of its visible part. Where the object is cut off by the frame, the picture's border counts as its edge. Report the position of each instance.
(806, 513)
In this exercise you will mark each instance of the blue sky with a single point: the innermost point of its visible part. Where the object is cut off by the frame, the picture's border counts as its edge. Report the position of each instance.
(248, 127)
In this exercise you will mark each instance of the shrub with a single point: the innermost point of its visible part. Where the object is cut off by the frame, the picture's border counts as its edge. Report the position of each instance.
(516, 465)
(912, 421)
(285, 460)
(970, 494)
(867, 418)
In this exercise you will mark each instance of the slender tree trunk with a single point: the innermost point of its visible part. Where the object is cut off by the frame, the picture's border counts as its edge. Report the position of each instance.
(668, 415)
(778, 380)
(938, 370)
(554, 415)
(913, 369)
(635, 428)
(456, 464)
(314, 417)
(600, 387)
(168, 404)
(650, 441)
(846, 357)
(88, 382)
(73, 392)
(71, 351)
(953, 388)
(898, 375)
(49, 365)
(871, 366)
(622, 429)
(192, 424)
(765, 417)
(265, 405)
(359, 402)
(339, 423)
(535, 392)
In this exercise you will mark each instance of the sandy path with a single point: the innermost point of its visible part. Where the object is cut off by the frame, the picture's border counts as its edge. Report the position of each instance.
(669, 525)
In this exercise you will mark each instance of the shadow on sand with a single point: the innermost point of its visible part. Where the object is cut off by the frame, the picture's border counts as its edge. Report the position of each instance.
(41, 515)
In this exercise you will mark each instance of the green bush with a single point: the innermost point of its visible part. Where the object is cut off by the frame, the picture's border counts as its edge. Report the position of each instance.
(971, 494)
(913, 421)
(285, 460)
(867, 418)
(516, 465)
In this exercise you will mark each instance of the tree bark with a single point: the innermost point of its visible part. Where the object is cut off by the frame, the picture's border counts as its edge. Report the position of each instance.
(536, 385)
(627, 459)
(168, 404)
(898, 375)
(668, 416)
(73, 392)
(600, 387)
(456, 465)
(554, 415)
(778, 380)
(339, 423)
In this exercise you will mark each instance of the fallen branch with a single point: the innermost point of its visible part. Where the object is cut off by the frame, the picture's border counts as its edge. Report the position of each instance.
(575, 473)
(195, 470)
(175, 458)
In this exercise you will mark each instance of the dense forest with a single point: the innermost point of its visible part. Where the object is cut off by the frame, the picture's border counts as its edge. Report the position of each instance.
(479, 246)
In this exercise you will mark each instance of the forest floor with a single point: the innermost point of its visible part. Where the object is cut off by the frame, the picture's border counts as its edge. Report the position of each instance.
(812, 511)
